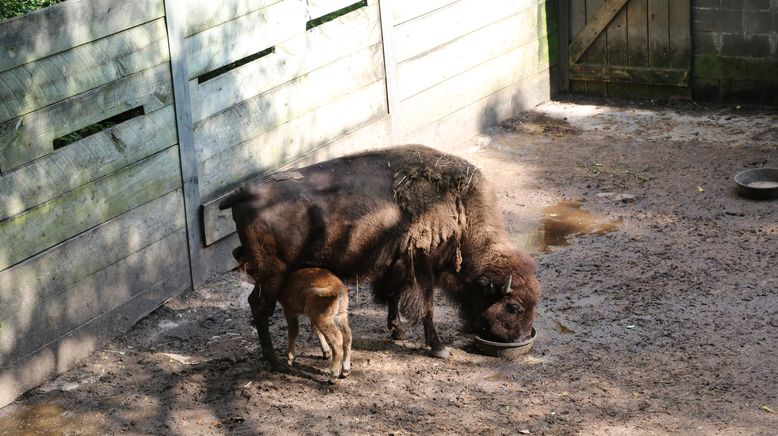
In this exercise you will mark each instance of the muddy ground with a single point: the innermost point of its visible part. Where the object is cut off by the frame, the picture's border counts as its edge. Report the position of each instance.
(662, 320)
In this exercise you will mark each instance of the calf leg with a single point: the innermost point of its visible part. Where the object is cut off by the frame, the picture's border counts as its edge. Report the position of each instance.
(346, 332)
(437, 349)
(332, 333)
(325, 349)
(294, 329)
(262, 302)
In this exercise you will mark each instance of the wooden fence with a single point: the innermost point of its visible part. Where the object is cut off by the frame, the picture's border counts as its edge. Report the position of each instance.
(122, 123)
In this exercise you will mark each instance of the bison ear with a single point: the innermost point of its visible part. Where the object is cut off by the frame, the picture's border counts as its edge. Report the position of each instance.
(483, 282)
(506, 289)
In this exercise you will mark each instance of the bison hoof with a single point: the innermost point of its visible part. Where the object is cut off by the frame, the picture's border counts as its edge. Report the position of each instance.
(399, 335)
(440, 352)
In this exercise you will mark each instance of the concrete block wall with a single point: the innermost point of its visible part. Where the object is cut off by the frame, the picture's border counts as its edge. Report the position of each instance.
(735, 50)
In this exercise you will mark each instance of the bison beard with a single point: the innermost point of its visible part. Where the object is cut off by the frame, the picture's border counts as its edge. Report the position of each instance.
(410, 218)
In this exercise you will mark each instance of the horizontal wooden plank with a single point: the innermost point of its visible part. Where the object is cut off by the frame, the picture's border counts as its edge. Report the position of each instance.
(319, 8)
(203, 14)
(406, 11)
(69, 24)
(31, 136)
(449, 132)
(91, 297)
(417, 36)
(26, 284)
(65, 352)
(472, 85)
(219, 223)
(86, 160)
(264, 112)
(291, 140)
(96, 202)
(296, 57)
(244, 36)
(41, 83)
(423, 72)
(622, 74)
(218, 256)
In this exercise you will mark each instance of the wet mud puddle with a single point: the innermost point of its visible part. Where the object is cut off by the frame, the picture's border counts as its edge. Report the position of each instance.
(49, 419)
(565, 220)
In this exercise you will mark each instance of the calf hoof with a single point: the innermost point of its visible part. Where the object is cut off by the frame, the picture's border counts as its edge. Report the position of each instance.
(290, 361)
(440, 352)
(327, 355)
(332, 380)
(345, 373)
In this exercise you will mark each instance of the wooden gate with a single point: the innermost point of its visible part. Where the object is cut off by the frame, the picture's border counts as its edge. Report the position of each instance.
(626, 48)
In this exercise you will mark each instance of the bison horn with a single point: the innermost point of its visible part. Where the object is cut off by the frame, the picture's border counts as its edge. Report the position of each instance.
(506, 289)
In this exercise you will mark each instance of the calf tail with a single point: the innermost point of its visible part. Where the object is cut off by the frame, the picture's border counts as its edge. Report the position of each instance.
(329, 291)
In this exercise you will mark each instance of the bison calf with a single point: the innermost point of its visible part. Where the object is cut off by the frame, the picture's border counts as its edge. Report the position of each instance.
(320, 295)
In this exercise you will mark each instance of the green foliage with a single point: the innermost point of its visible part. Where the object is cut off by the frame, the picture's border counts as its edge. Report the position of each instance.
(13, 8)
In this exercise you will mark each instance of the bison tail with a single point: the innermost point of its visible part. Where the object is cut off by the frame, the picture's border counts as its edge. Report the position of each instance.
(328, 291)
(234, 198)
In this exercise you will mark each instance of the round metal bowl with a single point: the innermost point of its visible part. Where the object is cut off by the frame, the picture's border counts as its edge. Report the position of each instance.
(758, 182)
(510, 350)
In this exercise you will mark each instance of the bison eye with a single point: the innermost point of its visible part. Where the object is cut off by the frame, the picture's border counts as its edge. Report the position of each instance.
(514, 308)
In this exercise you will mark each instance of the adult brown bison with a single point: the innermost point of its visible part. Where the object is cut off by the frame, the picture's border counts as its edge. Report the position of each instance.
(410, 219)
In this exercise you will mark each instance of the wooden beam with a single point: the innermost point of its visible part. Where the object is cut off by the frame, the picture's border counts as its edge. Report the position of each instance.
(564, 44)
(594, 28)
(174, 15)
(622, 74)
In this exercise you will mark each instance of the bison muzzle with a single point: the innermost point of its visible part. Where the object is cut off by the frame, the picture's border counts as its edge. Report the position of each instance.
(410, 219)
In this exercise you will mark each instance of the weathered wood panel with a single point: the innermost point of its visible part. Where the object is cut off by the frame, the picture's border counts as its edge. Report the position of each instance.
(296, 57)
(219, 223)
(85, 160)
(637, 32)
(320, 8)
(37, 84)
(36, 279)
(68, 350)
(448, 23)
(244, 36)
(472, 85)
(453, 129)
(291, 100)
(616, 36)
(658, 33)
(201, 15)
(90, 297)
(31, 136)
(408, 10)
(680, 36)
(596, 53)
(291, 140)
(598, 14)
(577, 23)
(69, 24)
(46, 225)
(423, 72)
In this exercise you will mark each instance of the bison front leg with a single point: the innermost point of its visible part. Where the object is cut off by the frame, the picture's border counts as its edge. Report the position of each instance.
(393, 322)
(437, 349)
(263, 302)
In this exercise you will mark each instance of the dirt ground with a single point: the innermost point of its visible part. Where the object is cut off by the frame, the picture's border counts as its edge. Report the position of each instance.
(660, 317)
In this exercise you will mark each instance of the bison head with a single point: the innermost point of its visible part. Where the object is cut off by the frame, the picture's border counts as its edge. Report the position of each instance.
(502, 302)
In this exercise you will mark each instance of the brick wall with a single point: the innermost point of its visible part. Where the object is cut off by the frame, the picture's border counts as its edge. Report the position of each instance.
(735, 50)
